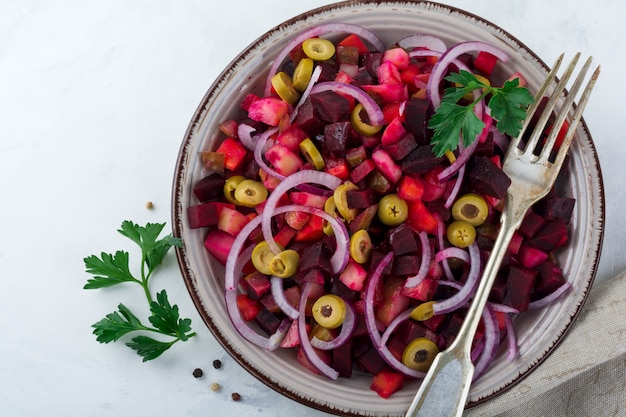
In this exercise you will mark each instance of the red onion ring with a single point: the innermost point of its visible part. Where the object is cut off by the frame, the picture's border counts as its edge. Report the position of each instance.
(305, 176)
(278, 292)
(405, 315)
(347, 328)
(452, 252)
(373, 110)
(492, 341)
(467, 291)
(511, 337)
(320, 30)
(439, 69)
(244, 132)
(259, 149)
(305, 343)
(457, 187)
(441, 232)
(542, 302)
(413, 282)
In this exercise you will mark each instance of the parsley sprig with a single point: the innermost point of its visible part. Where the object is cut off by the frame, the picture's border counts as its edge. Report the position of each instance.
(113, 269)
(451, 121)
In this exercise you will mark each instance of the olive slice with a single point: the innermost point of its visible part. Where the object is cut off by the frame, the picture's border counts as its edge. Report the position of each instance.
(423, 311)
(302, 74)
(262, 256)
(341, 200)
(318, 49)
(250, 193)
(230, 185)
(312, 154)
(285, 263)
(329, 311)
(420, 354)
(471, 208)
(461, 233)
(360, 246)
(359, 125)
(392, 210)
(284, 88)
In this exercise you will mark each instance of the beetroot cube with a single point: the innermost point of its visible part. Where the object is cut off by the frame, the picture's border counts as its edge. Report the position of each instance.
(555, 207)
(371, 361)
(550, 277)
(403, 147)
(520, 283)
(209, 187)
(531, 257)
(315, 256)
(336, 136)
(386, 383)
(406, 264)
(531, 224)
(552, 236)
(361, 171)
(360, 198)
(309, 120)
(402, 240)
(218, 244)
(420, 161)
(205, 214)
(342, 359)
(267, 321)
(416, 116)
(486, 178)
(331, 107)
(257, 285)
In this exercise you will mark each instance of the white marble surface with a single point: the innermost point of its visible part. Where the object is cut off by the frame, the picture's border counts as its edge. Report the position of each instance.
(95, 97)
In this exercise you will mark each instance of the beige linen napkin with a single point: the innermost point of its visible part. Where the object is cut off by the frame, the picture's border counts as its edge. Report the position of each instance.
(585, 375)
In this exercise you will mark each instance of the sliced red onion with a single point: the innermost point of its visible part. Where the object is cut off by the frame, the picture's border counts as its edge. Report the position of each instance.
(244, 132)
(460, 298)
(373, 110)
(315, 75)
(259, 150)
(457, 187)
(278, 292)
(511, 337)
(477, 349)
(235, 257)
(248, 333)
(441, 233)
(305, 343)
(370, 321)
(405, 315)
(316, 31)
(413, 282)
(429, 42)
(347, 328)
(542, 302)
(492, 341)
(452, 252)
(306, 176)
(440, 68)
(501, 308)
(500, 139)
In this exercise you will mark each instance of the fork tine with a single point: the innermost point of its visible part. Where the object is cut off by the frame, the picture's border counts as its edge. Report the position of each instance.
(563, 112)
(556, 94)
(582, 103)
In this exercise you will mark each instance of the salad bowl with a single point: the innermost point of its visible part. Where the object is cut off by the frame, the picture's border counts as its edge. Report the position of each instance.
(538, 331)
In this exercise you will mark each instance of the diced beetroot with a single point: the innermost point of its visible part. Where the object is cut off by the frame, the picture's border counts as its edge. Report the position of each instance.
(285, 162)
(410, 189)
(423, 291)
(218, 244)
(388, 73)
(416, 116)
(361, 171)
(515, 243)
(371, 361)
(342, 359)
(406, 264)
(402, 148)
(209, 187)
(485, 62)
(531, 224)
(234, 153)
(531, 257)
(386, 383)
(353, 276)
(520, 283)
(386, 166)
(257, 285)
(338, 167)
(552, 236)
(304, 198)
(486, 178)
(248, 100)
(556, 207)
(387, 93)
(331, 107)
(435, 322)
(285, 235)
(231, 221)
(309, 120)
(269, 110)
(304, 361)
(394, 301)
(291, 138)
(315, 257)
(398, 57)
(205, 214)
(248, 307)
(267, 321)
(336, 136)
(393, 110)
(420, 218)
(360, 198)
(420, 161)
(402, 240)
(393, 132)
(269, 181)
(409, 75)
(549, 278)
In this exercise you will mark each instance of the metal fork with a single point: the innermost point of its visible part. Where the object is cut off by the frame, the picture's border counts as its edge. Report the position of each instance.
(533, 172)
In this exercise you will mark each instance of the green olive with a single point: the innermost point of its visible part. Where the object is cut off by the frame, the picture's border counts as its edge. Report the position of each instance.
(302, 74)
(340, 196)
(360, 246)
(359, 125)
(318, 49)
(423, 311)
(230, 185)
(392, 210)
(285, 263)
(250, 193)
(284, 87)
(331, 208)
(312, 154)
(329, 311)
(461, 233)
(420, 354)
(471, 208)
(262, 256)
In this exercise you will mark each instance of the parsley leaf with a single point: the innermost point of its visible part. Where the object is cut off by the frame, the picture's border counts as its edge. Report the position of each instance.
(453, 122)
(111, 270)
